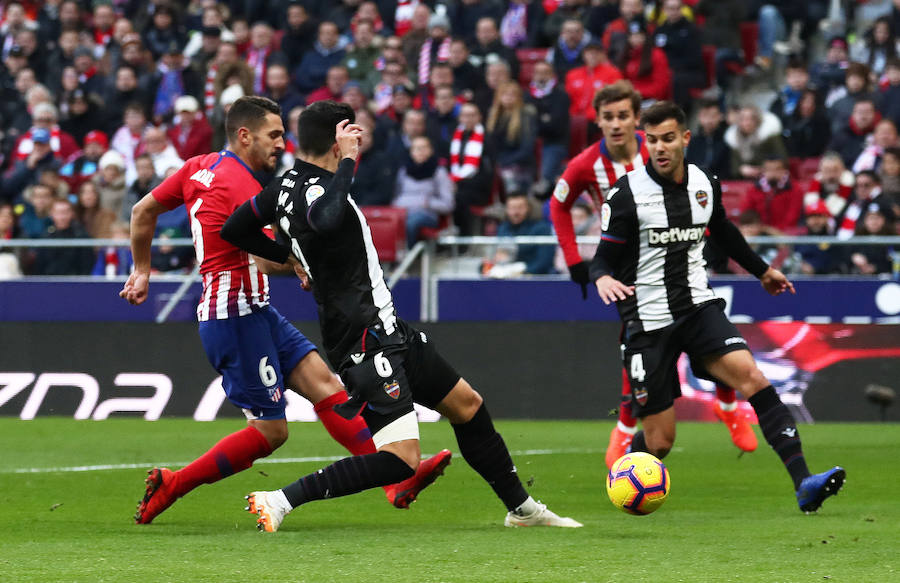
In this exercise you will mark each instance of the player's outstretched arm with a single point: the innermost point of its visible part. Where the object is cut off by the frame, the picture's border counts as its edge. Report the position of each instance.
(775, 282)
(243, 229)
(143, 225)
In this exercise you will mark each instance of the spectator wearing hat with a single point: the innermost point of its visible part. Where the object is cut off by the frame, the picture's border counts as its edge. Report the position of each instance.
(110, 181)
(190, 133)
(490, 49)
(679, 38)
(280, 90)
(64, 260)
(775, 197)
(85, 114)
(828, 74)
(582, 83)
(645, 65)
(328, 51)
(522, 24)
(76, 171)
(551, 102)
(335, 80)
(817, 258)
(25, 171)
(163, 31)
(435, 49)
(89, 76)
(299, 33)
(361, 54)
(850, 140)
(832, 184)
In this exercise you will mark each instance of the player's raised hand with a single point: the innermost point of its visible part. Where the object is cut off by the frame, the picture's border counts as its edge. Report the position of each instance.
(612, 290)
(348, 135)
(775, 282)
(135, 289)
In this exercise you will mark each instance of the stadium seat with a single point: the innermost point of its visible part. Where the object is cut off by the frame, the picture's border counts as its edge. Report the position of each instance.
(733, 194)
(578, 134)
(433, 232)
(803, 168)
(527, 59)
(388, 226)
(749, 40)
(709, 63)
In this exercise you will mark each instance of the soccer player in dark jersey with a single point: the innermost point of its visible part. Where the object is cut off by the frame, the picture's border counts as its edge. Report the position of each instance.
(650, 263)
(257, 352)
(622, 149)
(385, 363)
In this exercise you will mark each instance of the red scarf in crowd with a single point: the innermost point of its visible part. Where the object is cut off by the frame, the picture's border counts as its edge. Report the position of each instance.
(443, 54)
(465, 160)
(403, 16)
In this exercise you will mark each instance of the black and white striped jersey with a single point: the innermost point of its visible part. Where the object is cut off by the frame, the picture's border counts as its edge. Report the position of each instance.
(654, 231)
(347, 280)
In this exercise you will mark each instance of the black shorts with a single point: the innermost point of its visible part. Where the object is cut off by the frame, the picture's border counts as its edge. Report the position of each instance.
(392, 373)
(650, 358)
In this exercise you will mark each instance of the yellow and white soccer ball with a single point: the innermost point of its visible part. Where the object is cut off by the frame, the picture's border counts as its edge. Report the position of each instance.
(638, 483)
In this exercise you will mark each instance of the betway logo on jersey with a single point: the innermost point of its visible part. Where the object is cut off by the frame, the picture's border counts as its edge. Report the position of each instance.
(662, 237)
(203, 176)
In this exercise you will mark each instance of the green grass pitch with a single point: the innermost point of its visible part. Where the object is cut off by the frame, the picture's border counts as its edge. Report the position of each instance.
(726, 519)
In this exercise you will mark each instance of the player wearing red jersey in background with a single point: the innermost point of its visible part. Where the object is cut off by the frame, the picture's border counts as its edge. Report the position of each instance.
(594, 171)
(258, 352)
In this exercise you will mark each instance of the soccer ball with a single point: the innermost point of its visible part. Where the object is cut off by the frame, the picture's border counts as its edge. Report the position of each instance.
(638, 483)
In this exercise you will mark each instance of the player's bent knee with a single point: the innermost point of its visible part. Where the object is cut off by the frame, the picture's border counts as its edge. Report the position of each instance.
(461, 403)
(275, 431)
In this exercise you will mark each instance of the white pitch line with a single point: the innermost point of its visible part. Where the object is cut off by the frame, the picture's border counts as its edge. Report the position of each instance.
(291, 460)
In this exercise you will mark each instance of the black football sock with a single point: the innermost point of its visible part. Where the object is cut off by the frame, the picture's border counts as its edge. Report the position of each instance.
(348, 476)
(780, 430)
(638, 443)
(483, 448)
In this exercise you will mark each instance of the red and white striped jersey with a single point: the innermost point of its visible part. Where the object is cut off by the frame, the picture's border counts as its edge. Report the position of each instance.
(211, 187)
(594, 172)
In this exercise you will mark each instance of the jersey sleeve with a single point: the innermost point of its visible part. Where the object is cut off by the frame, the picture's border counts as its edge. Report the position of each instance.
(568, 188)
(170, 193)
(244, 228)
(618, 219)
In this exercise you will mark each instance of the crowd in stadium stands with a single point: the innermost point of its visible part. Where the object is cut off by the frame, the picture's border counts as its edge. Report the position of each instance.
(467, 104)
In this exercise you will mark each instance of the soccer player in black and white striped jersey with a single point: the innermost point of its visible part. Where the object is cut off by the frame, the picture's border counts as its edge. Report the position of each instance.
(650, 262)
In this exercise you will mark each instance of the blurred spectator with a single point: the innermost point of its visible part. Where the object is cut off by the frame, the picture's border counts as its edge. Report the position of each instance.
(796, 79)
(327, 52)
(9, 229)
(135, 55)
(512, 127)
(489, 49)
(466, 78)
(435, 49)
(876, 46)
(299, 33)
(102, 26)
(442, 120)
(124, 91)
(335, 81)
(441, 76)
(44, 117)
(470, 167)
(877, 221)
(707, 148)
(398, 146)
(857, 87)
(163, 31)
(393, 75)
(582, 83)
(280, 90)
(679, 38)
(129, 137)
(369, 11)
(890, 173)
(890, 93)
(166, 258)
(373, 183)
(260, 54)
(361, 55)
(112, 261)
(566, 52)
(210, 40)
(833, 185)
(751, 225)
(777, 200)
(85, 114)
(850, 139)
(586, 222)
(95, 219)
(884, 136)
(68, 85)
(191, 134)
(24, 172)
(722, 30)
(807, 130)
(145, 181)
(172, 79)
(416, 33)
(89, 76)
(424, 189)
(110, 181)
(15, 20)
(341, 13)
(828, 75)
(161, 151)
(495, 75)
(241, 30)
(85, 165)
(35, 218)
(522, 24)
(64, 260)
(756, 136)
(512, 260)
(468, 13)
(565, 10)
(866, 192)
(354, 97)
(817, 258)
(62, 56)
(645, 65)
(615, 37)
(551, 102)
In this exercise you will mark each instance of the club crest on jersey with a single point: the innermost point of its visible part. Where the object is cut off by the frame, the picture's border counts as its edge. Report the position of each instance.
(702, 198)
(561, 191)
(204, 176)
(314, 192)
(640, 395)
(275, 394)
(392, 389)
(605, 215)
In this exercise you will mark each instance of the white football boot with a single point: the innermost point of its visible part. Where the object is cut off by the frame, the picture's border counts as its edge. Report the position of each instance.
(270, 509)
(539, 516)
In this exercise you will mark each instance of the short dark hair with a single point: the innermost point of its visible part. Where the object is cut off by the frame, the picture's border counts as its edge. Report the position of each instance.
(315, 126)
(248, 112)
(617, 92)
(869, 174)
(706, 103)
(662, 111)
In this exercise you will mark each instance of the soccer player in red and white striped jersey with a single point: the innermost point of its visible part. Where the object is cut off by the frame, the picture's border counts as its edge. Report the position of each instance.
(594, 171)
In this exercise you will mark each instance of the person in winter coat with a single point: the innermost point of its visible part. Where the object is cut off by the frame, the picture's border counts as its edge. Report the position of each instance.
(424, 189)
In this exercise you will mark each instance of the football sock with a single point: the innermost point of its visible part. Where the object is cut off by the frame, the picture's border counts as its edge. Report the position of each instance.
(639, 443)
(233, 453)
(353, 434)
(348, 476)
(483, 449)
(780, 430)
(727, 398)
(626, 419)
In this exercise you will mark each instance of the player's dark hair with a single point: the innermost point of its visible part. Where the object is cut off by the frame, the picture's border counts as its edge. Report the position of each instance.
(248, 112)
(617, 92)
(662, 111)
(315, 127)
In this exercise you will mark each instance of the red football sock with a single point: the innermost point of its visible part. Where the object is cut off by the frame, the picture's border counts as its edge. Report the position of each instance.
(233, 454)
(353, 434)
(625, 416)
(725, 394)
